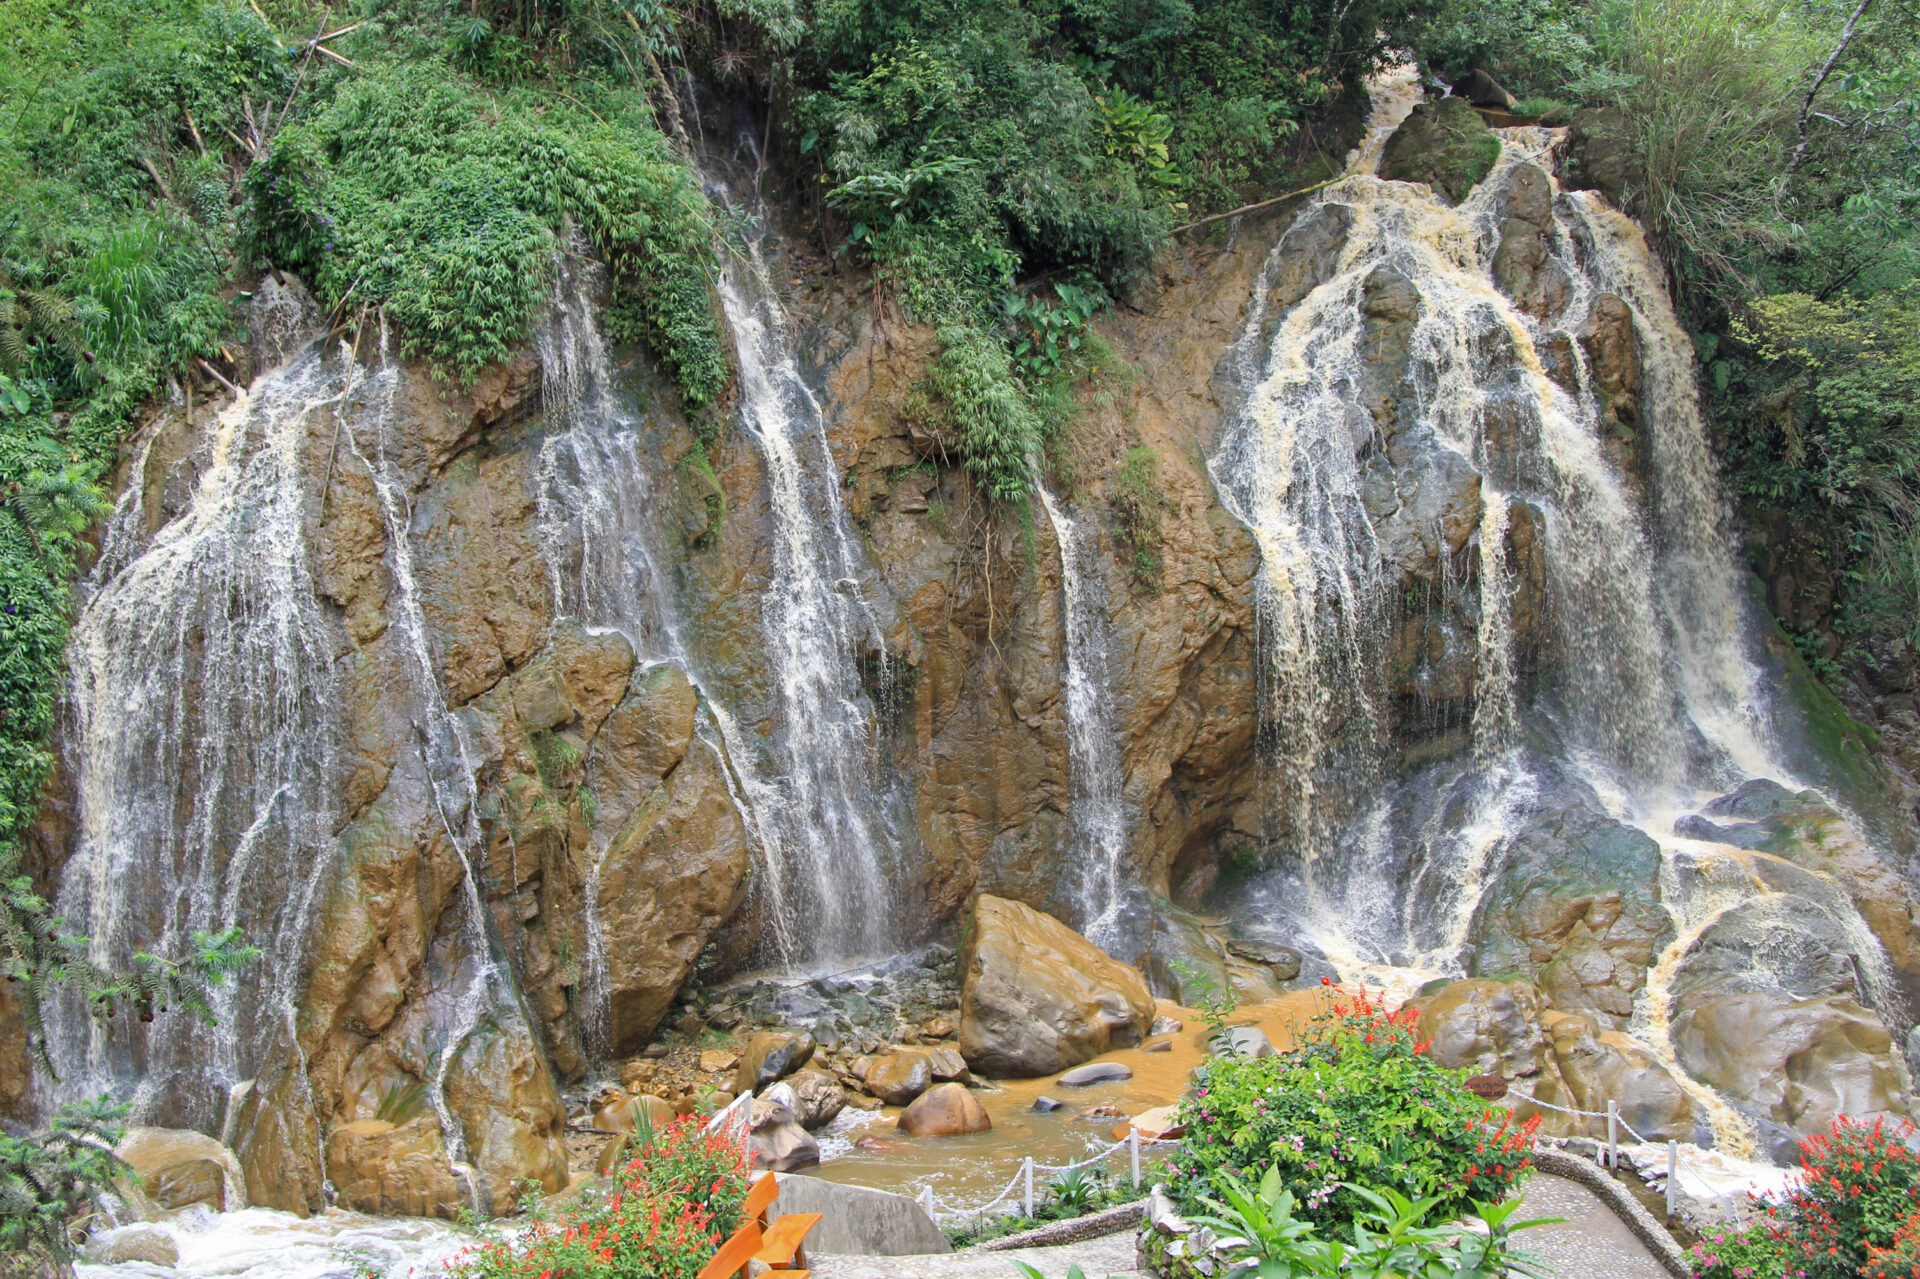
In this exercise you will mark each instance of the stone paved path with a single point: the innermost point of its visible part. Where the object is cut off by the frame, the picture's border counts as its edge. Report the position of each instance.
(1592, 1243)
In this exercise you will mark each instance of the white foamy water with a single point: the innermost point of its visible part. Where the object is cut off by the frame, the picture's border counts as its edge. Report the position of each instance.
(1099, 811)
(258, 1243)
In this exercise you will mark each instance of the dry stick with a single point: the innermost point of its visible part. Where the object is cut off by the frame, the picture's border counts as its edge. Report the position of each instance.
(157, 179)
(215, 375)
(1806, 108)
(194, 130)
(1255, 207)
(325, 52)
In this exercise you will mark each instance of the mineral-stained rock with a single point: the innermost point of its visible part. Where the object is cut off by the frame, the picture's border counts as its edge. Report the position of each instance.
(676, 867)
(402, 1171)
(1098, 1072)
(178, 1168)
(771, 1056)
(1613, 356)
(1039, 998)
(820, 1096)
(1492, 1028)
(277, 1140)
(946, 1111)
(137, 1243)
(1766, 1008)
(1574, 904)
(948, 1065)
(897, 1077)
(617, 1112)
(1443, 143)
(1602, 1065)
(501, 1094)
(1524, 266)
(776, 1141)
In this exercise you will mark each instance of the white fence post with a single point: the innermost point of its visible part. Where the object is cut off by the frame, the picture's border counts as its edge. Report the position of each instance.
(1133, 1140)
(926, 1200)
(1613, 1140)
(1673, 1176)
(1027, 1169)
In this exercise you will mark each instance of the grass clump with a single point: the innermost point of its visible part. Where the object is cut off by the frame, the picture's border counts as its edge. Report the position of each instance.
(1138, 507)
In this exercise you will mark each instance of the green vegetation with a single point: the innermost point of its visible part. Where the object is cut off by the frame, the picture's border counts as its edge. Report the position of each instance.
(1138, 507)
(1773, 151)
(1392, 1234)
(1073, 1193)
(662, 1216)
(1852, 1214)
(1358, 1104)
(1005, 167)
(49, 1183)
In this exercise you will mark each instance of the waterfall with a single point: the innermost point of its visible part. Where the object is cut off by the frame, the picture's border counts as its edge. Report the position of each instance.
(1099, 808)
(1406, 420)
(203, 749)
(827, 853)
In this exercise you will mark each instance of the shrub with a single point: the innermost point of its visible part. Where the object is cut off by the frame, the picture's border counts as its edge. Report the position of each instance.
(1751, 1252)
(445, 206)
(1360, 1102)
(1860, 1184)
(1901, 1258)
(1138, 506)
(666, 1213)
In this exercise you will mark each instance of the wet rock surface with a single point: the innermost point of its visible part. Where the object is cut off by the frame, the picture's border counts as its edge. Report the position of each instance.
(1445, 144)
(1039, 998)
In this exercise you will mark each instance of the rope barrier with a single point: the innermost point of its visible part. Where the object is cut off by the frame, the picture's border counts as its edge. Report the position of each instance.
(1024, 1177)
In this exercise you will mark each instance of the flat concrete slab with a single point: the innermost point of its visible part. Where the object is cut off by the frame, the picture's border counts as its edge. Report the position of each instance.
(1097, 1258)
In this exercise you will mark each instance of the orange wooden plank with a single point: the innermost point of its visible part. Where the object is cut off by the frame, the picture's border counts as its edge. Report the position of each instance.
(781, 1245)
(734, 1253)
(759, 1199)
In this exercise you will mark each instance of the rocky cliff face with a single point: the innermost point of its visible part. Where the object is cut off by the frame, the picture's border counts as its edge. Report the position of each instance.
(460, 701)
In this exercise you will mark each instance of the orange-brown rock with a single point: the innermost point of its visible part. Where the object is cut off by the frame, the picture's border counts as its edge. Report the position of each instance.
(376, 1167)
(948, 1110)
(1039, 998)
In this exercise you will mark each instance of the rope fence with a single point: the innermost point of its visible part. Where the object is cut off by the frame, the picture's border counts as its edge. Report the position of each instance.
(1023, 1179)
(1616, 1124)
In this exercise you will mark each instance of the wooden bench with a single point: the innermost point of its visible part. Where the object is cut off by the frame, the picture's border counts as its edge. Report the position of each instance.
(777, 1246)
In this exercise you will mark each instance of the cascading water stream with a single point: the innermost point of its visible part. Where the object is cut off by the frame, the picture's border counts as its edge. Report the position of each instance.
(203, 752)
(1644, 694)
(1099, 810)
(828, 858)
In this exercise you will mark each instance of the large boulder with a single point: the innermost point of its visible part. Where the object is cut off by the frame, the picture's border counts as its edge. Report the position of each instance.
(1767, 1007)
(276, 1137)
(1444, 144)
(1602, 155)
(771, 1056)
(775, 1139)
(146, 1244)
(676, 867)
(1038, 997)
(1524, 265)
(178, 1168)
(1489, 1028)
(1600, 1065)
(819, 1096)
(896, 1077)
(947, 1111)
(502, 1096)
(1573, 906)
(394, 1171)
(858, 1222)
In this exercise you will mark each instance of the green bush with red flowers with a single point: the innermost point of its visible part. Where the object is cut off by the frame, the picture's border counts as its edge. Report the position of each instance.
(1359, 1101)
(1855, 1213)
(662, 1217)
